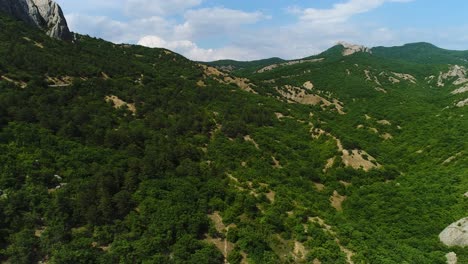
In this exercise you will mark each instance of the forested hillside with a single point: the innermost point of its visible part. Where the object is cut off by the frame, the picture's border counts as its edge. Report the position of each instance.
(124, 154)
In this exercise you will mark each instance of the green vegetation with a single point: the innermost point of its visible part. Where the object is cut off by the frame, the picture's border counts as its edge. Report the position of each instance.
(423, 53)
(84, 182)
(245, 66)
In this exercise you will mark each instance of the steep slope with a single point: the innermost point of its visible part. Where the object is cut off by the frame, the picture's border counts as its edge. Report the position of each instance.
(117, 153)
(124, 154)
(390, 103)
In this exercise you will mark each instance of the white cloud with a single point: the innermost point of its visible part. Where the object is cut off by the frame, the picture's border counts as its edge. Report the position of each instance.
(118, 31)
(159, 31)
(215, 21)
(230, 33)
(192, 51)
(158, 7)
(340, 12)
(90, 5)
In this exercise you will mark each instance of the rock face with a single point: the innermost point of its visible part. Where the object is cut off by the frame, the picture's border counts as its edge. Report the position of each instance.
(456, 234)
(458, 73)
(350, 49)
(45, 14)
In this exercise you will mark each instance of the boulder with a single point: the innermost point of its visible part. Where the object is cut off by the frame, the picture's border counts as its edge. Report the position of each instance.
(451, 258)
(456, 234)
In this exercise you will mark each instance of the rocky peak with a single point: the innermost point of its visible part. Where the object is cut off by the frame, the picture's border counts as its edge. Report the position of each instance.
(45, 14)
(350, 49)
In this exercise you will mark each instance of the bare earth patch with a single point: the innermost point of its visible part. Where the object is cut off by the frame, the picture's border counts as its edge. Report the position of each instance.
(393, 80)
(386, 136)
(62, 81)
(463, 89)
(384, 122)
(289, 63)
(462, 103)
(349, 254)
(322, 224)
(17, 83)
(271, 196)
(299, 251)
(221, 77)
(201, 83)
(276, 163)
(38, 232)
(39, 45)
(279, 116)
(299, 95)
(320, 187)
(452, 158)
(105, 76)
(248, 138)
(118, 103)
(346, 184)
(249, 186)
(221, 243)
(328, 229)
(308, 85)
(218, 221)
(359, 159)
(368, 77)
(382, 90)
(405, 76)
(337, 200)
(329, 164)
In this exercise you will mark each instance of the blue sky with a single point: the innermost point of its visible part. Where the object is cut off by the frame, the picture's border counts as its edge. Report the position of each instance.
(255, 29)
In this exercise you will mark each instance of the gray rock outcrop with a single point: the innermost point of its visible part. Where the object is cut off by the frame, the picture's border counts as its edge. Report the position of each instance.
(456, 234)
(350, 49)
(451, 258)
(45, 14)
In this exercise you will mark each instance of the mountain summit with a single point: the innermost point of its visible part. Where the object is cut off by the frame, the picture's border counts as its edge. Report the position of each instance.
(45, 14)
(350, 49)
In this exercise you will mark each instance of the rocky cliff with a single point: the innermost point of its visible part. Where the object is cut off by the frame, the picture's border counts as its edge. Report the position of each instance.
(45, 14)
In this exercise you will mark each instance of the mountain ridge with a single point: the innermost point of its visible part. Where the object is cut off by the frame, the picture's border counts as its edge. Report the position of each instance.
(379, 51)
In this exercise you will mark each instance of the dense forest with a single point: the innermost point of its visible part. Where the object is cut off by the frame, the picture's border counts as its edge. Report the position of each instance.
(124, 154)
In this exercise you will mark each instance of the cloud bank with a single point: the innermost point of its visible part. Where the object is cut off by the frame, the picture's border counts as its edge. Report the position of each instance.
(203, 32)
